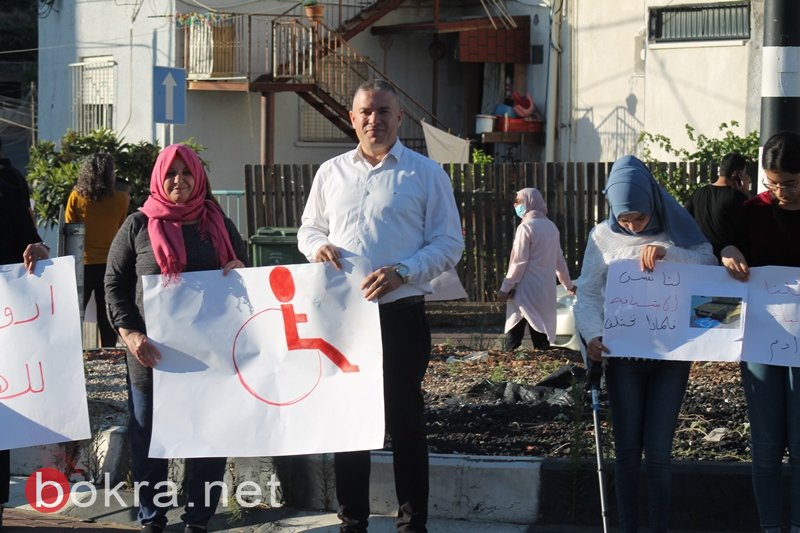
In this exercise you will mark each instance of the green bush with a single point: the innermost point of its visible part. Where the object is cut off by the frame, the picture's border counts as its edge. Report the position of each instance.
(52, 172)
(707, 154)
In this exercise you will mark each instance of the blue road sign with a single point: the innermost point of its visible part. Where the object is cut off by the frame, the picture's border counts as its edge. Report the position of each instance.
(169, 95)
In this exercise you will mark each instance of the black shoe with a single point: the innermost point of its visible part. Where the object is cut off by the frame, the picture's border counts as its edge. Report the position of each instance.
(194, 529)
(152, 528)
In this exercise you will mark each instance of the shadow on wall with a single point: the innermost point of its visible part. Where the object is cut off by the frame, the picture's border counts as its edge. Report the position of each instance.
(619, 130)
(589, 146)
(612, 137)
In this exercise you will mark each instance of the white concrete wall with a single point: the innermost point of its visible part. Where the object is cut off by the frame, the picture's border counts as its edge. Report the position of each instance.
(227, 123)
(692, 85)
(57, 48)
(600, 80)
(85, 28)
(611, 91)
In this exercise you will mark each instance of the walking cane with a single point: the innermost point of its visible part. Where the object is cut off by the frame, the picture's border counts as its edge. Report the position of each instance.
(595, 372)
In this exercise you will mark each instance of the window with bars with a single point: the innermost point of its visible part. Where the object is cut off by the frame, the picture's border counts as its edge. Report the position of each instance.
(93, 86)
(702, 22)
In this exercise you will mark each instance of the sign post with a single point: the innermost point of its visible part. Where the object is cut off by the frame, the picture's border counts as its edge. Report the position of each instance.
(169, 95)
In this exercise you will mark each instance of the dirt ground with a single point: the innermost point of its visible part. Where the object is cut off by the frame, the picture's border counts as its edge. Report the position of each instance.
(491, 402)
(497, 403)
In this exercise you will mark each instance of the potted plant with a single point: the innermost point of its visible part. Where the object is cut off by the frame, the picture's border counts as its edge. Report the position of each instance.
(314, 10)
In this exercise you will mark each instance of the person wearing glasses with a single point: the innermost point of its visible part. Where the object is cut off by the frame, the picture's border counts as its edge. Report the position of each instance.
(716, 206)
(769, 227)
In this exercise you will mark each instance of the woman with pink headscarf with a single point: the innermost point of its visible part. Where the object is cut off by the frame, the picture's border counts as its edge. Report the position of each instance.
(180, 228)
(528, 288)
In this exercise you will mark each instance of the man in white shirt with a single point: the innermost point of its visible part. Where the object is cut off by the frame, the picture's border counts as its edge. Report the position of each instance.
(395, 207)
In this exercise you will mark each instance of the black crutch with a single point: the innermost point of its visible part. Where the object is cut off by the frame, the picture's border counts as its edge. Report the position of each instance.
(594, 375)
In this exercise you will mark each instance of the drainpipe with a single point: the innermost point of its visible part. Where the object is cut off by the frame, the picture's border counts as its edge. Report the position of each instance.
(551, 119)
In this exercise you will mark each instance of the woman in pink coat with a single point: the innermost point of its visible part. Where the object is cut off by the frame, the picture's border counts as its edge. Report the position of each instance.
(528, 288)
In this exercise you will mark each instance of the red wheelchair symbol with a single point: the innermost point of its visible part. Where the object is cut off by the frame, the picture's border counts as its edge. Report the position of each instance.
(289, 360)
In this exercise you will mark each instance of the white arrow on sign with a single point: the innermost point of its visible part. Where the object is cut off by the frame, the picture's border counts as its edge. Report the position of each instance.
(169, 84)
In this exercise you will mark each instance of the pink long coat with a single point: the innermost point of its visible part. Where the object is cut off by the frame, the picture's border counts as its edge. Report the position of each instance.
(535, 258)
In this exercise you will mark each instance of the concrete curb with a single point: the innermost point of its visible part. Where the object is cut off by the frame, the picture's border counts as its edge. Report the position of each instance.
(475, 488)
(502, 493)
(706, 495)
(107, 452)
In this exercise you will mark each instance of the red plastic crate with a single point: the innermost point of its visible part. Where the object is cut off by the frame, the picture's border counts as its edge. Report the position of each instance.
(519, 125)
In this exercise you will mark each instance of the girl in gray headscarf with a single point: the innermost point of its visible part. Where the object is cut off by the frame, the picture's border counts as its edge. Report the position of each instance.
(644, 222)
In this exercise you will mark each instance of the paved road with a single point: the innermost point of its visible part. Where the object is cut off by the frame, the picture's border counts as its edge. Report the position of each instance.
(22, 520)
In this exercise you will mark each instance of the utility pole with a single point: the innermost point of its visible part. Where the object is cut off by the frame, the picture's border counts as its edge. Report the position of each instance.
(780, 70)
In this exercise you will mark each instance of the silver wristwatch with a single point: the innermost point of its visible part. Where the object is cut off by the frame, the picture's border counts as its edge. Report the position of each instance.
(402, 271)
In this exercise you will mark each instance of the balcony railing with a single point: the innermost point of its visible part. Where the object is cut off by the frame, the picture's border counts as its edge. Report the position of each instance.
(234, 46)
(229, 47)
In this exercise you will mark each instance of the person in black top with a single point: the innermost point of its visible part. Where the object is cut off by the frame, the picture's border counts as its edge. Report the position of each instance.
(19, 243)
(716, 205)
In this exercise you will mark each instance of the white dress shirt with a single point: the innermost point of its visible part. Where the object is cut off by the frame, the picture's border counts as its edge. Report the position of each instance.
(400, 211)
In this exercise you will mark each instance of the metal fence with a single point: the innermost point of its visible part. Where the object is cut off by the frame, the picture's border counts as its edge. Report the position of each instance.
(232, 203)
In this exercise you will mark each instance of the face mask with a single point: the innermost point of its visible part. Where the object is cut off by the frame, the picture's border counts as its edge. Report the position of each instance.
(519, 209)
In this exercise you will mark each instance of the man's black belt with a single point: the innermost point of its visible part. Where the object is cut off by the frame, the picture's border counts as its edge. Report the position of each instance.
(402, 303)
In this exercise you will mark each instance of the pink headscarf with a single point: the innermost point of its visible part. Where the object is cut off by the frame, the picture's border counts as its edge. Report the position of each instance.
(534, 203)
(166, 218)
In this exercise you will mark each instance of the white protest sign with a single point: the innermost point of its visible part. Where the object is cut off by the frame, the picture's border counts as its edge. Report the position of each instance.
(677, 312)
(42, 387)
(282, 360)
(773, 316)
(446, 286)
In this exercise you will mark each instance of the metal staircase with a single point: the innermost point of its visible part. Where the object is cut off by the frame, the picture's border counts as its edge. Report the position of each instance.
(366, 17)
(320, 66)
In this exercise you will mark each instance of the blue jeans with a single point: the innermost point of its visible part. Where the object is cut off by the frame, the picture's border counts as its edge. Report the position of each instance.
(197, 472)
(773, 407)
(645, 396)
